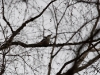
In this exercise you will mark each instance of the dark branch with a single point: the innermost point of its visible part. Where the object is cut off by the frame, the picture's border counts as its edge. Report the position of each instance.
(5, 18)
(88, 63)
(24, 24)
(57, 45)
(88, 2)
(50, 45)
(8, 43)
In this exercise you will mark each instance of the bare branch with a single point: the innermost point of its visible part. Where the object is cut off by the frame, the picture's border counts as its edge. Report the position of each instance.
(5, 18)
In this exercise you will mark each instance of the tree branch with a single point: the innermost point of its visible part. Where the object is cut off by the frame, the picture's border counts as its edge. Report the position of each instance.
(5, 18)
(8, 43)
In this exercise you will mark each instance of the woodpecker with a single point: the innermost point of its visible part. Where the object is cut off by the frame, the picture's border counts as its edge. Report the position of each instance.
(45, 40)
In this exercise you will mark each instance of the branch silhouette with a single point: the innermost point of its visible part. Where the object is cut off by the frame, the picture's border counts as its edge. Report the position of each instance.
(9, 41)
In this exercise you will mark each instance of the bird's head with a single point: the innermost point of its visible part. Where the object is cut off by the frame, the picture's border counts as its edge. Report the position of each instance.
(49, 36)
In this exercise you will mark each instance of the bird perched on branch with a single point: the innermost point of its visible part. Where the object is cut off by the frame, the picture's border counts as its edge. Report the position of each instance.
(45, 40)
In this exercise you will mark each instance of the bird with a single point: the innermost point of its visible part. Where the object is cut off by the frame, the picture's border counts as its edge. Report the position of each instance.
(45, 40)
